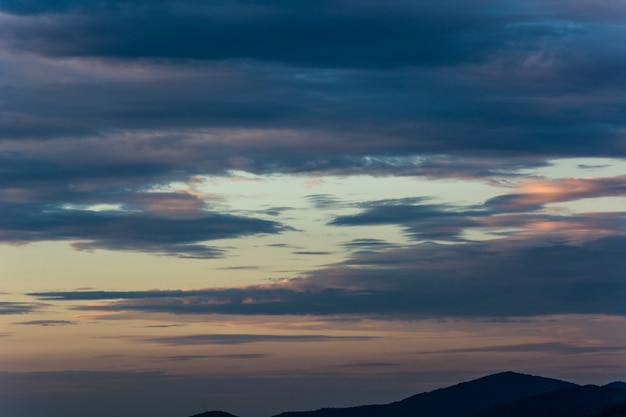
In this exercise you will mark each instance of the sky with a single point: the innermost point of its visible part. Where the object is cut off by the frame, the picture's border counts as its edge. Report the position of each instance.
(260, 206)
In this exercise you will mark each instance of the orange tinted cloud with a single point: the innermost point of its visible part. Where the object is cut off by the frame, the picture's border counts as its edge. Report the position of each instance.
(538, 192)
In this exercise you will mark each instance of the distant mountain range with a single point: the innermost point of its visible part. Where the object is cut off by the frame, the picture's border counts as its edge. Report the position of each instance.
(506, 394)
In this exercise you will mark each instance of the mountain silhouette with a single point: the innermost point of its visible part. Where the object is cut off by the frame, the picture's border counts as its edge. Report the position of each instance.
(460, 400)
(616, 410)
(506, 394)
(616, 384)
(580, 401)
(214, 414)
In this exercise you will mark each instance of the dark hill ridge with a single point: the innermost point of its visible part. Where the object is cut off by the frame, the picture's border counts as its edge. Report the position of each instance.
(506, 394)
(616, 384)
(580, 401)
(460, 400)
(617, 410)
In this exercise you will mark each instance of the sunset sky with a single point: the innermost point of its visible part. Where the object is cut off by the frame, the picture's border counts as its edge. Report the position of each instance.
(269, 205)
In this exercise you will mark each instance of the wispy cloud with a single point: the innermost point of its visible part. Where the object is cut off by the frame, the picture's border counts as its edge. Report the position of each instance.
(498, 278)
(234, 356)
(240, 339)
(46, 323)
(9, 307)
(366, 364)
(558, 348)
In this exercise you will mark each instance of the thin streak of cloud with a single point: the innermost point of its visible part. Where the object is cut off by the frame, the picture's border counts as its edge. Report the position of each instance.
(368, 365)
(234, 356)
(240, 339)
(545, 347)
(10, 307)
(46, 323)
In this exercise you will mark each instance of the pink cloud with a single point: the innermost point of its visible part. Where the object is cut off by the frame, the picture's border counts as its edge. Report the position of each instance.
(538, 192)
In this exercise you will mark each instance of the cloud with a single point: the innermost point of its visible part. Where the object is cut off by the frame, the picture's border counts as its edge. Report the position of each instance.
(423, 221)
(324, 201)
(368, 244)
(301, 252)
(515, 214)
(534, 193)
(103, 110)
(240, 339)
(558, 348)
(127, 230)
(46, 323)
(236, 356)
(373, 82)
(498, 278)
(9, 307)
(342, 33)
(366, 364)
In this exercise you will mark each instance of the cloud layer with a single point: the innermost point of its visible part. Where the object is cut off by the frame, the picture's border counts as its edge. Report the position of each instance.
(496, 278)
(103, 110)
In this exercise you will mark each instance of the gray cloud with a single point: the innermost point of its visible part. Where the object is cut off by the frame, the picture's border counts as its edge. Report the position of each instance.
(499, 278)
(340, 33)
(366, 364)
(368, 244)
(240, 339)
(371, 93)
(301, 252)
(553, 191)
(517, 212)
(547, 347)
(372, 82)
(423, 221)
(9, 307)
(236, 356)
(124, 230)
(46, 323)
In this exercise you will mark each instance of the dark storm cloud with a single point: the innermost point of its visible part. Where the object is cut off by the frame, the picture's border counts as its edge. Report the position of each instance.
(343, 33)
(498, 278)
(510, 79)
(109, 96)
